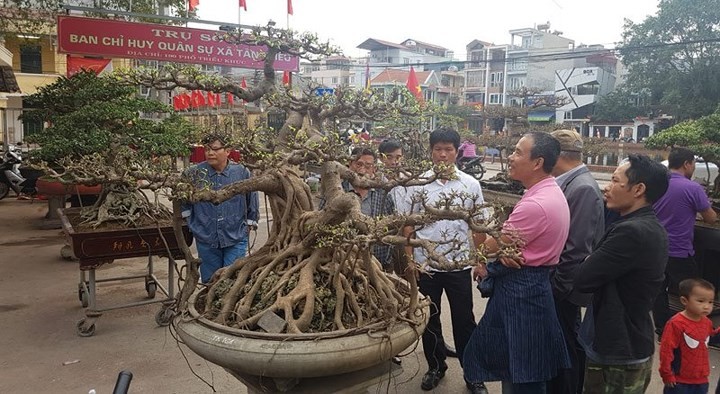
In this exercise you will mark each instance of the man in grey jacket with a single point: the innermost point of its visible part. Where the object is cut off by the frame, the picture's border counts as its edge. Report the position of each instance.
(587, 224)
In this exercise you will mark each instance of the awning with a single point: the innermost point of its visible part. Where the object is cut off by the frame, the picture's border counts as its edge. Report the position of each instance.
(8, 83)
(541, 116)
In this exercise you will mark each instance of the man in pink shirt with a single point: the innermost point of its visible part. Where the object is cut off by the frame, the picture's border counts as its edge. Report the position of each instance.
(518, 340)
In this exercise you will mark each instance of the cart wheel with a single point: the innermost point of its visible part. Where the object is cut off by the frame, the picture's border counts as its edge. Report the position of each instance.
(66, 252)
(164, 316)
(151, 288)
(83, 330)
(82, 296)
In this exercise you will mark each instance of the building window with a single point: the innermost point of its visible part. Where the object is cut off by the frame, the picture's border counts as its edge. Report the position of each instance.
(517, 65)
(476, 79)
(515, 83)
(346, 80)
(30, 59)
(515, 102)
(496, 98)
(496, 79)
(588, 88)
(406, 60)
(334, 80)
(477, 57)
(352, 80)
(30, 127)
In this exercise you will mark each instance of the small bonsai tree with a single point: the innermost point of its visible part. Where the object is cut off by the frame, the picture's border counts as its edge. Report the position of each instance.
(702, 136)
(100, 132)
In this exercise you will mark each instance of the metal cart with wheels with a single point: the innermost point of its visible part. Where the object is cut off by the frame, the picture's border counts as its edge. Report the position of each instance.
(93, 249)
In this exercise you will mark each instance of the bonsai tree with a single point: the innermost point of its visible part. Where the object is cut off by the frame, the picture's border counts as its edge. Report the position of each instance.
(39, 16)
(316, 270)
(702, 136)
(99, 132)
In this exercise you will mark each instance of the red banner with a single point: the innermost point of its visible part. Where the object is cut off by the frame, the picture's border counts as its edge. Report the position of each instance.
(118, 39)
(75, 64)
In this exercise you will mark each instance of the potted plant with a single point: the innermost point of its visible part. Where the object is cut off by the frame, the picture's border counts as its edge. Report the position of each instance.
(315, 276)
(101, 135)
(98, 132)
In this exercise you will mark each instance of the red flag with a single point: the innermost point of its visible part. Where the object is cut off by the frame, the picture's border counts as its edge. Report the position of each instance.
(230, 99)
(210, 99)
(243, 85)
(243, 4)
(185, 101)
(413, 86)
(75, 64)
(197, 99)
(177, 104)
(287, 78)
(192, 4)
(290, 10)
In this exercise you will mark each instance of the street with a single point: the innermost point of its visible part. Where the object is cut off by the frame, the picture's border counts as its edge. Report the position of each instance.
(39, 309)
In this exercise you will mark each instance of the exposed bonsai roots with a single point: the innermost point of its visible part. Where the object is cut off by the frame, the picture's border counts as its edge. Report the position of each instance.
(123, 204)
(314, 289)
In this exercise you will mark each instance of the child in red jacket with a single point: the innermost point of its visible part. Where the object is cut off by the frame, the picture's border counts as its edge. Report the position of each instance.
(684, 362)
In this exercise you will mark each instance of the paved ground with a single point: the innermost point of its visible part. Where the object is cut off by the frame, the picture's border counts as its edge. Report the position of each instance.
(41, 352)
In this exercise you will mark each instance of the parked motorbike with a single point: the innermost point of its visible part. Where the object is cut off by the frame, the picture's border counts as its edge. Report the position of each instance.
(472, 166)
(10, 177)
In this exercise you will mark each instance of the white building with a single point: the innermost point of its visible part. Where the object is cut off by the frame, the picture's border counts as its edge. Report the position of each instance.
(494, 72)
(579, 88)
(407, 53)
(337, 71)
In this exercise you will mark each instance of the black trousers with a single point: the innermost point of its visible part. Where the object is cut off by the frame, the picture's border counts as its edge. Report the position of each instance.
(677, 270)
(569, 381)
(458, 287)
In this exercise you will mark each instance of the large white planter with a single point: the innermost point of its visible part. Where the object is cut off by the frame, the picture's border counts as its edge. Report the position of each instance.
(294, 356)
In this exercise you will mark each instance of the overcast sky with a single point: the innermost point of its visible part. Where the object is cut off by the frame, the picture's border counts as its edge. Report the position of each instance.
(448, 23)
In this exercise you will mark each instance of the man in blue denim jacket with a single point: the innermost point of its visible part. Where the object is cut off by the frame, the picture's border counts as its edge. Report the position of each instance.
(220, 231)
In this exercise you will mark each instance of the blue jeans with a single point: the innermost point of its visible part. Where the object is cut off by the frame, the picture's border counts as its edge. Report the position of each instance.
(684, 388)
(213, 258)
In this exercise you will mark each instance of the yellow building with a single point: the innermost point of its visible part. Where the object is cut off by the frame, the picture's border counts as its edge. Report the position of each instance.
(35, 63)
(8, 83)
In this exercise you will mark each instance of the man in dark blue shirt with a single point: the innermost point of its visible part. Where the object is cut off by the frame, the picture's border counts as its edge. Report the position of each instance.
(220, 231)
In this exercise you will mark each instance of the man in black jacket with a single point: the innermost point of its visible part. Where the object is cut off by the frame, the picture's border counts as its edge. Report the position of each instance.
(624, 273)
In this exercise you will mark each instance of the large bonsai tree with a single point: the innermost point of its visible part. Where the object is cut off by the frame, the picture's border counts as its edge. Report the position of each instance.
(100, 132)
(316, 270)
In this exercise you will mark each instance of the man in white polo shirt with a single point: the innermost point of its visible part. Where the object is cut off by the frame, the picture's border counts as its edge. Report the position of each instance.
(457, 284)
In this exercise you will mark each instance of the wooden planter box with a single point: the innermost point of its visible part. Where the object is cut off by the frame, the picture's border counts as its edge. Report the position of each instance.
(95, 248)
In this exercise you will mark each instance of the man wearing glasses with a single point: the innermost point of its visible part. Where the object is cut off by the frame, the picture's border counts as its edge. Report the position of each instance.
(220, 231)
(373, 202)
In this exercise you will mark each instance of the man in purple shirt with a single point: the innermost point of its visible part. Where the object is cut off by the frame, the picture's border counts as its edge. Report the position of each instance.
(677, 210)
